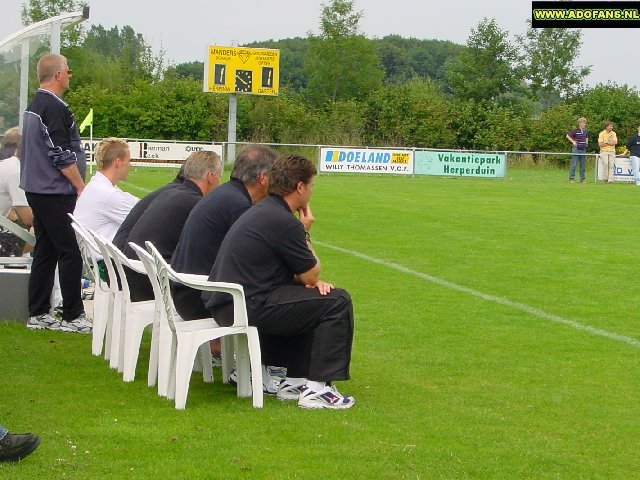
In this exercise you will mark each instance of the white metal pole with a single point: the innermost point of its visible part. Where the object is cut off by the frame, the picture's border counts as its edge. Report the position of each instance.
(231, 134)
(24, 79)
(54, 38)
(92, 156)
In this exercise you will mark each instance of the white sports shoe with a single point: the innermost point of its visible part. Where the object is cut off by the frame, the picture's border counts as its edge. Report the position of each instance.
(291, 391)
(269, 382)
(78, 325)
(328, 397)
(46, 321)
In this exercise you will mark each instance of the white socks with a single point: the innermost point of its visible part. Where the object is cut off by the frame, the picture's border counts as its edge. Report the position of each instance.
(315, 386)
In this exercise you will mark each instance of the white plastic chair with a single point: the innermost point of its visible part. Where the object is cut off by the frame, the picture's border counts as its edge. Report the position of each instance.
(164, 335)
(114, 330)
(129, 318)
(134, 316)
(188, 336)
(102, 298)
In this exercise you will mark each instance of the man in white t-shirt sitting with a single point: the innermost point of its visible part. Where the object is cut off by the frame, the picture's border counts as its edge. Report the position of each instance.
(11, 195)
(103, 206)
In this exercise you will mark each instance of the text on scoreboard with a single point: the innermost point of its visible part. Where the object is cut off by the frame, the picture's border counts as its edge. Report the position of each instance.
(242, 70)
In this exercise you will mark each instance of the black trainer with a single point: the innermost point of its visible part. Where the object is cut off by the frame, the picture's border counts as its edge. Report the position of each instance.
(15, 447)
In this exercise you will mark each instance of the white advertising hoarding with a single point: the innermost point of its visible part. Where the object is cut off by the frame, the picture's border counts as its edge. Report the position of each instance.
(366, 160)
(159, 154)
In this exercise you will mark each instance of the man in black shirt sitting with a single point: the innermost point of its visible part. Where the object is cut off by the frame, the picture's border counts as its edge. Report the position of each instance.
(122, 235)
(211, 219)
(305, 324)
(163, 220)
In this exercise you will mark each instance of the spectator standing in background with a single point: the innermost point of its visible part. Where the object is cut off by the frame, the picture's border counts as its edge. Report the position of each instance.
(579, 138)
(607, 141)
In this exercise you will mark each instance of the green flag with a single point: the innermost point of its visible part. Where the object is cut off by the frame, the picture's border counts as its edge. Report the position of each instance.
(87, 121)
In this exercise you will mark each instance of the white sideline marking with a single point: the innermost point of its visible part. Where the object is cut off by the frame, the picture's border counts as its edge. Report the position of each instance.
(485, 296)
(492, 298)
(131, 185)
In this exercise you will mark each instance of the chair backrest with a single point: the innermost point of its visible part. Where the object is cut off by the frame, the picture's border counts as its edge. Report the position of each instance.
(85, 252)
(151, 269)
(120, 261)
(166, 274)
(90, 253)
(109, 262)
(161, 268)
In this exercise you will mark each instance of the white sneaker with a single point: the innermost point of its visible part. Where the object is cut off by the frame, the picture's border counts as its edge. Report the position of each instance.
(46, 321)
(78, 325)
(328, 397)
(216, 362)
(269, 383)
(279, 372)
(291, 391)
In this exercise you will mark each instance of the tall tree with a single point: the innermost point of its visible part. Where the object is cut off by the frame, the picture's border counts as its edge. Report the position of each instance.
(36, 10)
(550, 55)
(487, 69)
(341, 63)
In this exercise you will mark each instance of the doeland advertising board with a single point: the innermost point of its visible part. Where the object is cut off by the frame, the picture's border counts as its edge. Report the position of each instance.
(366, 160)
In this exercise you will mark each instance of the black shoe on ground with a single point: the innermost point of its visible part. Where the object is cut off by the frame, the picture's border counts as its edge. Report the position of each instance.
(15, 447)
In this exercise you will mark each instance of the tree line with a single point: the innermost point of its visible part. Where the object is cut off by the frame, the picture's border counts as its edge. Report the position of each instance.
(339, 87)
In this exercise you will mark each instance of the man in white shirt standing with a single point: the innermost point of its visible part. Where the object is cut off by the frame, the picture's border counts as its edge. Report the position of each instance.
(103, 206)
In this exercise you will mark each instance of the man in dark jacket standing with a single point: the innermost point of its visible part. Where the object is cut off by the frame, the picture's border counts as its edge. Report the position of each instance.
(52, 175)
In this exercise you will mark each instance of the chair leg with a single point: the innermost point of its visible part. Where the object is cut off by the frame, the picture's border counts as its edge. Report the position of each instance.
(171, 381)
(166, 353)
(109, 328)
(243, 366)
(118, 318)
(255, 357)
(206, 359)
(228, 362)
(152, 374)
(185, 357)
(123, 334)
(132, 341)
(100, 312)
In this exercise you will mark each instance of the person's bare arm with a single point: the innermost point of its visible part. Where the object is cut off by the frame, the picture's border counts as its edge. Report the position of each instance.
(25, 215)
(72, 174)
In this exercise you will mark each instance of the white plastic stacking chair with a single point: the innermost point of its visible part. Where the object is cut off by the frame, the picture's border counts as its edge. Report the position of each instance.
(114, 330)
(164, 335)
(102, 298)
(134, 316)
(188, 336)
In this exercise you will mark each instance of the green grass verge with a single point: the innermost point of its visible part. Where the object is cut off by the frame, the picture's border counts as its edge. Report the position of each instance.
(448, 384)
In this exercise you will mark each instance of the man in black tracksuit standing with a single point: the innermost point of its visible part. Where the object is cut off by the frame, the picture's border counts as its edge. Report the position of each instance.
(52, 175)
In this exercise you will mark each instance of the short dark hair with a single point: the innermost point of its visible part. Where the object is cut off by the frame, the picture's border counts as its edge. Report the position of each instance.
(251, 161)
(607, 123)
(289, 170)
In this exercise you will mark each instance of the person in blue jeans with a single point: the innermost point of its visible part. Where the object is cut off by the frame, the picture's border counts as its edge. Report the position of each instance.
(15, 447)
(633, 149)
(579, 138)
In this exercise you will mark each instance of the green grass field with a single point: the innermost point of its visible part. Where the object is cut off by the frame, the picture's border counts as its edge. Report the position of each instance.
(496, 337)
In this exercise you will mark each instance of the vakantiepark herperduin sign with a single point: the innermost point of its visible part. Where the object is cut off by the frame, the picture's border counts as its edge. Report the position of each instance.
(460, 164)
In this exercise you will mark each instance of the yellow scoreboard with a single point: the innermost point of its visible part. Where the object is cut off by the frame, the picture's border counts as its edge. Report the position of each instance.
(242, 70)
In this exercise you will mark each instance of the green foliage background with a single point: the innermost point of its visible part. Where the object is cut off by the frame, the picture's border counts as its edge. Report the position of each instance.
(340, 87)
